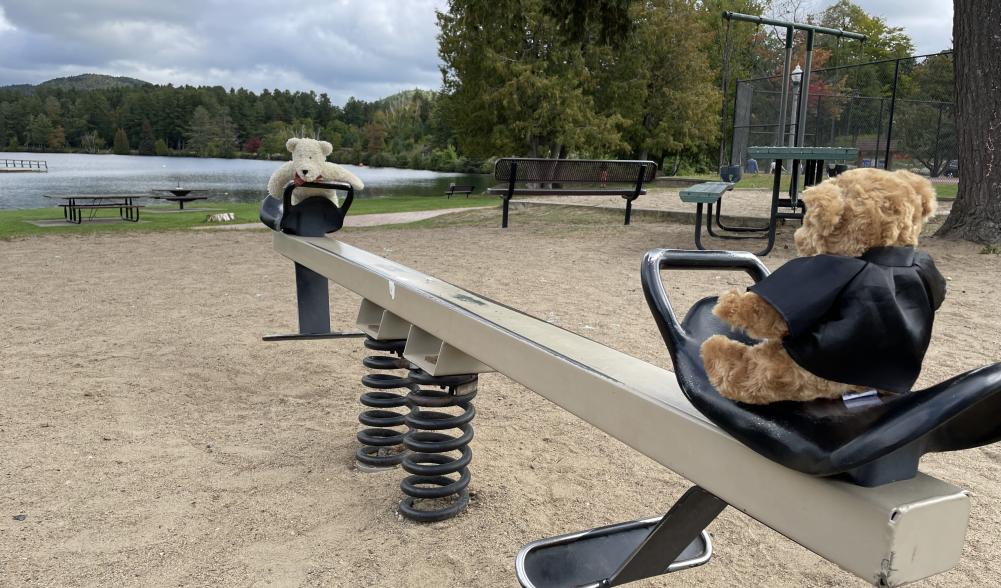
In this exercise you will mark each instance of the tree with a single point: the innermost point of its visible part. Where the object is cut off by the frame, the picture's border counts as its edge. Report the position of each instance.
(121, 144)
(976, 213)
(252, 145)
(661, 82)
(92, 142)
(926, 115)
(57, 139)
(516, 84)
(160, 148)
(39, 129)
(147, 144)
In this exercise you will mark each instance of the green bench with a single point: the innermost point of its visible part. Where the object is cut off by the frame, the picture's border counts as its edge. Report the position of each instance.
(707, 193)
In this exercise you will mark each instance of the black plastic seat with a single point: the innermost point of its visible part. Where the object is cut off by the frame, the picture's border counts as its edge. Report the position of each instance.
(876, 441)
(313, 217)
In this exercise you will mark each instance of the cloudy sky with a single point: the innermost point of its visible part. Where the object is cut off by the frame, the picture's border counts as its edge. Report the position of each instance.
(362, 48)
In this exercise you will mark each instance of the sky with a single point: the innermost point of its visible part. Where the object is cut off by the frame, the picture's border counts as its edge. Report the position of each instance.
(362, 48)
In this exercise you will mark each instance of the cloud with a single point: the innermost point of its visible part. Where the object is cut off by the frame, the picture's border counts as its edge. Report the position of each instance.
(927, 22)
(362, 48)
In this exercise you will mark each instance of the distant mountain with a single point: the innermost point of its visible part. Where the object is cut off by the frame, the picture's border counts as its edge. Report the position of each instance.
(81, 82)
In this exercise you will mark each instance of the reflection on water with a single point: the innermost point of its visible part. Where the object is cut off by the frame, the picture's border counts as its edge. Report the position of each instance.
(240, 180)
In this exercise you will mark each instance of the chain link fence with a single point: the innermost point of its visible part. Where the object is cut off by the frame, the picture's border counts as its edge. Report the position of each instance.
(899, 113)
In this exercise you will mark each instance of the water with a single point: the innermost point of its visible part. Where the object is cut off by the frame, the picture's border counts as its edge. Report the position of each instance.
(233, 180)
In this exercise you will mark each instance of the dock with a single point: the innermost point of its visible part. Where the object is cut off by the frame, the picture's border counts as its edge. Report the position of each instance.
(23, 165)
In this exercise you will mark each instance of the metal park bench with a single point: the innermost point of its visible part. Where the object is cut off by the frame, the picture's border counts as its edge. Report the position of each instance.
(839, 479)
(591, 177)
(454, 189)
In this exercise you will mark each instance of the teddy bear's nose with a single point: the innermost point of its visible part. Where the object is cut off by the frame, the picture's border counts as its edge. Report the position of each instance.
(305, 171)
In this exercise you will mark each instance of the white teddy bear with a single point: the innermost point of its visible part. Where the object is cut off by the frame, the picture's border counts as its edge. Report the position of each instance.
(309, 164)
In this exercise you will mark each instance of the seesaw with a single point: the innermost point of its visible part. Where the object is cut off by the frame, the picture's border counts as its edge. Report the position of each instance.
(838, 479)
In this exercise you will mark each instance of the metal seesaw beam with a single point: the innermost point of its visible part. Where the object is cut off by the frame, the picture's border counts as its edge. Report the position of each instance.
(888, 535)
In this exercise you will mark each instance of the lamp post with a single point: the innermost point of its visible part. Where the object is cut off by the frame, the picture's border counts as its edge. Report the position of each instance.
(796, 77)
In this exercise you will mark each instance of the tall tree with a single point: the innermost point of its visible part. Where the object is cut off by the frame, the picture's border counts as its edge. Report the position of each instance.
(976, 213)
(39, 129)
(121, 144)
(147, 144)
(516, 84)
(661, 81)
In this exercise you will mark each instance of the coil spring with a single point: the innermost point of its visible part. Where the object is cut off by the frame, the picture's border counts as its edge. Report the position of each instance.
(381, 444)
(432, 456)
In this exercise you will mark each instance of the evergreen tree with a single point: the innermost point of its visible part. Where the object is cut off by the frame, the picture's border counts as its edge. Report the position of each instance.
(147, 145)
(39, 129)
(121, 144)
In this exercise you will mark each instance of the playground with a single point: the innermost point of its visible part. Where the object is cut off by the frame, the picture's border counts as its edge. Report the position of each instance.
(188, 452)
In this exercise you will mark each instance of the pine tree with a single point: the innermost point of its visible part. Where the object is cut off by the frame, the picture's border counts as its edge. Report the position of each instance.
(121, 144)
(147, 144)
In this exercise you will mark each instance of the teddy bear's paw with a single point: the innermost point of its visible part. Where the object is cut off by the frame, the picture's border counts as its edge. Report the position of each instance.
(728, 307)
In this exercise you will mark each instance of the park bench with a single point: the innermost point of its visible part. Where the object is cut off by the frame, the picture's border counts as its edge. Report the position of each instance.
(454, 189)
(591, 177)
(837, 478)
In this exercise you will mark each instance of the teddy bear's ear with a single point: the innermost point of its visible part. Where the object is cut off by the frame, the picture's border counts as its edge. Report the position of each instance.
(924, 190)
(291, 143)
(326, 148)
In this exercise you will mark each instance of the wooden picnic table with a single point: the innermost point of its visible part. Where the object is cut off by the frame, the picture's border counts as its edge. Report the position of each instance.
(75, 204)
(179, 195)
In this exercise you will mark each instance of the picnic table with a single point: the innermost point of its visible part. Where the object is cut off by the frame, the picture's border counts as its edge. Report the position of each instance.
(179, 195)
(782, 208)
(76, 204)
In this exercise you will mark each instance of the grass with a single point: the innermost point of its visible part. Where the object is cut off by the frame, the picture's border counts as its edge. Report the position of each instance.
(13, 222)
(945, 191)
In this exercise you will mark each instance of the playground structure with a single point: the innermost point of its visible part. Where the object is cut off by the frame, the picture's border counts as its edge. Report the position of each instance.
(887, 534)
(867, 106)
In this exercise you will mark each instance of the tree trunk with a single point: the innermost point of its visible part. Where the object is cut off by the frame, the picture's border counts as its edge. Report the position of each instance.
(976, 213)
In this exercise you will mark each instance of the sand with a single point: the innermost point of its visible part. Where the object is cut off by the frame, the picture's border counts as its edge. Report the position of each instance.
(151, 438)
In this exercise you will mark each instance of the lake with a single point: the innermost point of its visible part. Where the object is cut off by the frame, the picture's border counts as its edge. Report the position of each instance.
(241, 180)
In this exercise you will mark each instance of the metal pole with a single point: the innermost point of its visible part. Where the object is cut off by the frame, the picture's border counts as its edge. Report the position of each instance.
(786, 73)
(879, 133)
(785, 23)
(804, 91)
(938, 133)
(893, 104)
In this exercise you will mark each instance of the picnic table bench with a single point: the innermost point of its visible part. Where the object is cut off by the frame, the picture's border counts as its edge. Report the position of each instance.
(781, 208)
(75, 204)
(592, 177)
(459, 189)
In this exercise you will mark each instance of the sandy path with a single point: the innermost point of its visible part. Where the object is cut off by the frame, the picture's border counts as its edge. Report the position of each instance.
(361, 220)
(151, 438)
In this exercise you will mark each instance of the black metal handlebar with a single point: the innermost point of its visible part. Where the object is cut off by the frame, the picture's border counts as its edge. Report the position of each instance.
(656, 296)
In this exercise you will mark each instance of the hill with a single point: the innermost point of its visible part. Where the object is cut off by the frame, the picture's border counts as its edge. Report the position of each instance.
(81, 82)
(93, 82)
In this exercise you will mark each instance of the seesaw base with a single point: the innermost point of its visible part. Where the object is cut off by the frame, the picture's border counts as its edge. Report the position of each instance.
(626, 552)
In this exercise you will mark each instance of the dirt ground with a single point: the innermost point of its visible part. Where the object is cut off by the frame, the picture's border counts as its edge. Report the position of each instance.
(150, 438)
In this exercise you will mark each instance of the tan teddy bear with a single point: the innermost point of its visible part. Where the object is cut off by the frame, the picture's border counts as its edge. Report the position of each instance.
(856, 314)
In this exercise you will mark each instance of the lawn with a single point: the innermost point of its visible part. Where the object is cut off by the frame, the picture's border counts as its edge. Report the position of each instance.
(12, 222)
(945, 191)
